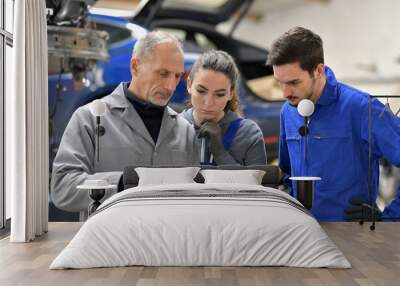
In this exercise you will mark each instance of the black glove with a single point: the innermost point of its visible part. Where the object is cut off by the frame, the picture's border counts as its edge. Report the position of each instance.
(213, 132)
(361, 210)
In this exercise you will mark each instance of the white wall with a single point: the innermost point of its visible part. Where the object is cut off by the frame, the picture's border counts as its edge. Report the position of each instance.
(361, 37)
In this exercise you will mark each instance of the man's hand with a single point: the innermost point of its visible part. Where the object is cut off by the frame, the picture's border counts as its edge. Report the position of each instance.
(213, 132)
(361, 210)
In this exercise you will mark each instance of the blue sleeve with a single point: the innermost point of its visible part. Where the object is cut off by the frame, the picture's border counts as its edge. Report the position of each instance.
(284, 159)
(386, 142)
(385, 132)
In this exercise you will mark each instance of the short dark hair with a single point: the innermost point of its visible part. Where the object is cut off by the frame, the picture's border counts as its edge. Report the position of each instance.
(297, 45)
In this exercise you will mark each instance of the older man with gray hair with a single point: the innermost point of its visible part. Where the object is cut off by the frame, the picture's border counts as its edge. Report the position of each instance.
(140, 129)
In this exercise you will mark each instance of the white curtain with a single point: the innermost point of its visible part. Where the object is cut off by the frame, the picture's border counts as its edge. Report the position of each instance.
(27, 124)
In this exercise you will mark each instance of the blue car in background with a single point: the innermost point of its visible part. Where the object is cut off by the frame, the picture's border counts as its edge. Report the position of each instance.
(73, 85)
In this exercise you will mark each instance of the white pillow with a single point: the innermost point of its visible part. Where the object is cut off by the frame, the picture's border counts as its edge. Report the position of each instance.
(248, 177)
(166, 176)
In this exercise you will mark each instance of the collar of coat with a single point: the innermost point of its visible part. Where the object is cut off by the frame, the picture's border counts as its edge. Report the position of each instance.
(330, 92)
(118, 100)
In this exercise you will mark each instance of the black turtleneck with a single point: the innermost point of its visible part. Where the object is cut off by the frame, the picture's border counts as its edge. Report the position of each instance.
(151, 114)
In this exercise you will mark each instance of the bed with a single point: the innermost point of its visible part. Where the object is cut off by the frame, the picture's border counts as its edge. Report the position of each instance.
(201, 223)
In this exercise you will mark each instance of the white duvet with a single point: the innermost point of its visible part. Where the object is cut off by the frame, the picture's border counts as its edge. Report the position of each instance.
(201, 224)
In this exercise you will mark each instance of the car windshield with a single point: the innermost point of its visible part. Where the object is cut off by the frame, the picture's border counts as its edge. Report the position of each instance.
(266, 87)
(197, 5)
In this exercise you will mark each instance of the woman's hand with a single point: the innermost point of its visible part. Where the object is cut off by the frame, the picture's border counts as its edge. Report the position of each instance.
(213, 132)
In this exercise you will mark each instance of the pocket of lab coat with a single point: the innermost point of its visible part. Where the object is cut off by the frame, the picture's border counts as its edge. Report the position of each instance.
(333, 157)
(115, 159)
(179, 158)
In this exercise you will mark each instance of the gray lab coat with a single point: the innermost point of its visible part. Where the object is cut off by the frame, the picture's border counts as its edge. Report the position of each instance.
(125, 142)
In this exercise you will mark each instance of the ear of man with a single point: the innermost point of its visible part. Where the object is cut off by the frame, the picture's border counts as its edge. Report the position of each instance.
(134, 66)
(320, 70)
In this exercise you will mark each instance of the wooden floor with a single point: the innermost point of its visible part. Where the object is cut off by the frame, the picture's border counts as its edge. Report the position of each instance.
(374, 255)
